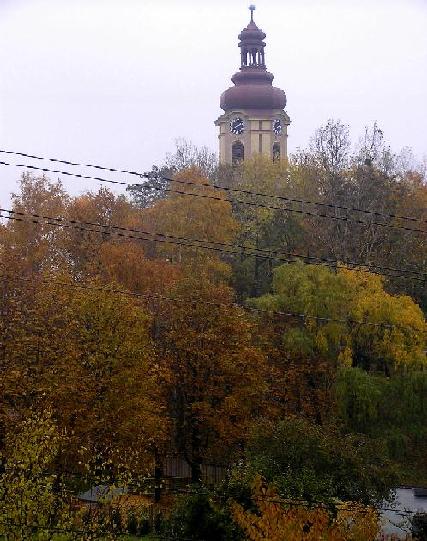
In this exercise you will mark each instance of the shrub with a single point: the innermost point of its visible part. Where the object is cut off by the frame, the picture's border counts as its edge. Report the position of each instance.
(197, 518)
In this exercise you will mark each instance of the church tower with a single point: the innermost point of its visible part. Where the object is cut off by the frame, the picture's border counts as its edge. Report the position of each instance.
(254, 119)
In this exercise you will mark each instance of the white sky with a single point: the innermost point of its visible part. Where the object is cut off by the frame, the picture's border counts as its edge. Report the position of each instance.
(114, 82)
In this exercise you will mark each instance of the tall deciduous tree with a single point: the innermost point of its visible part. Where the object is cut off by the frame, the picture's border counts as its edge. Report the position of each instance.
(83, 246)
(36, 247)
(372, 178)
(31, 499)
(157, 184)
(262, 228)
(214, 377)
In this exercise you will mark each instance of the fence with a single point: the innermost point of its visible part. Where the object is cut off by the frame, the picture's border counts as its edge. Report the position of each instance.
(176, 468)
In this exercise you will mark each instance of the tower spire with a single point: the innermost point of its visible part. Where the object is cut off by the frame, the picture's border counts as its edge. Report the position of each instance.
(252, 8)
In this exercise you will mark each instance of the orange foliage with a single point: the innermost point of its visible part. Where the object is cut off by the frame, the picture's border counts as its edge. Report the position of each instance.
(278, 520)
(126, 264)
(214, 377)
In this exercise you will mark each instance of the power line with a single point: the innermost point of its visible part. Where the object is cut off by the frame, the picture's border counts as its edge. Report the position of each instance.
(234, 249)
(122, 232)
(195, 301)
(238, 190)
(221, 247)
(231, 190)
(303, 202)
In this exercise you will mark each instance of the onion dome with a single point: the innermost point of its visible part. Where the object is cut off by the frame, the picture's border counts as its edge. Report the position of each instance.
(253, 83)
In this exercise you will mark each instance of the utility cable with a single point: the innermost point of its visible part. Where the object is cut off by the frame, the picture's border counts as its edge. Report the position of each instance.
(222, 247)
(300, 211)
(237, 190)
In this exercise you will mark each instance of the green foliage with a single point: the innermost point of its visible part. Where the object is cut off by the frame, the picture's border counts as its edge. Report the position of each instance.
(317, 463)
(347, 296)
(393, 409)
(197, 518)
(316, 291)
(360, 399)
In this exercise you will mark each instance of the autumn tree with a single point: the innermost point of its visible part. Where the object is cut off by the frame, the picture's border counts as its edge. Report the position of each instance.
(34, 246)
(214, 377)
(31, 498)
(203, 215)
(127, 265)
(37, 500)
(116, 251)
(86, 245)
(373, 186)
(86, 353)
(92, 242)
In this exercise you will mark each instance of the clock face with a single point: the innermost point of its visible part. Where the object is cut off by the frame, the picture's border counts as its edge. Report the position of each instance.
(277, 126)
(237, 126)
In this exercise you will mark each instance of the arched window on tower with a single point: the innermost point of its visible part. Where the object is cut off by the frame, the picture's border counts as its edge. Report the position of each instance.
(276, 152)
(237, 153)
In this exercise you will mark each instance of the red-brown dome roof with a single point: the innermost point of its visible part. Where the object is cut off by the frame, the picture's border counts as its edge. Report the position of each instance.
(253, 96)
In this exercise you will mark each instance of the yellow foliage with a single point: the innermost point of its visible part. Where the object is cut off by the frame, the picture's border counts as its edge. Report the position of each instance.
(355, 320)
(402, 339)
(345, 357)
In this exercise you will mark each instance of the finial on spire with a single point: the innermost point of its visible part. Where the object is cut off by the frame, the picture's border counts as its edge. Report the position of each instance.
(252, 7)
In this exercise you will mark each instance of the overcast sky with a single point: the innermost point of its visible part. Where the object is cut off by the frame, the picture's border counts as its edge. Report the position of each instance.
(115, 82)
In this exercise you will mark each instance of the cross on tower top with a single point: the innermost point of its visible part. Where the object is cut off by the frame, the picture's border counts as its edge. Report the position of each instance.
(252, 7)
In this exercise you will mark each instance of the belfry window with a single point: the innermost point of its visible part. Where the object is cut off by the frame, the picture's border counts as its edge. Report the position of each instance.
(237, 153)
(276, 152)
